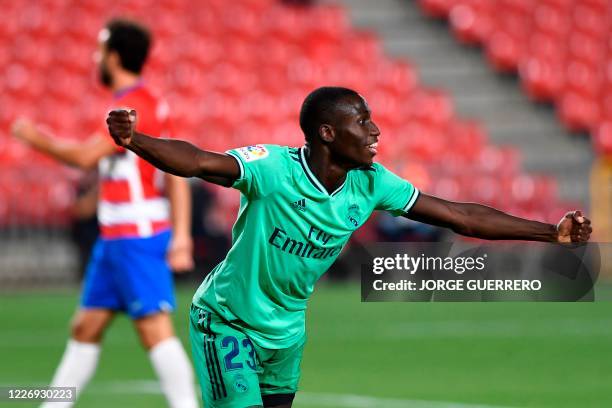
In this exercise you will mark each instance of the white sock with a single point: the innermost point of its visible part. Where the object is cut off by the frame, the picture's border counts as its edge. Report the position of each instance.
(173, 369)
(75, 370)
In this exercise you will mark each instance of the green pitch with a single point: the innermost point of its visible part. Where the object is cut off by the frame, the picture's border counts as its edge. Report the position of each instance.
(437, 355)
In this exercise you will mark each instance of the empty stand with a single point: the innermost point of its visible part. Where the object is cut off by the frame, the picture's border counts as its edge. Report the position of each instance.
(235, 73)
(560, 48)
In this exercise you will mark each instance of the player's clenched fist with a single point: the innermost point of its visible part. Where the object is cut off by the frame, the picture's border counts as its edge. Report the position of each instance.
(574, 227)
(121, 124)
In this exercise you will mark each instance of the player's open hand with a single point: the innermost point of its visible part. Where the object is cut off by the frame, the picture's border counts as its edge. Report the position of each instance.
(25, 130)
(574, 227)
(121, 123)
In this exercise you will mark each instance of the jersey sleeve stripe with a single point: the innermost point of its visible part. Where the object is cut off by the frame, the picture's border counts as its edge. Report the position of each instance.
(412, 200)
(235, 156)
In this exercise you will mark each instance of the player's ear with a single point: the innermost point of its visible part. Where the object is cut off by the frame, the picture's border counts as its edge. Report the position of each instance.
(327, 134)
(113, 59)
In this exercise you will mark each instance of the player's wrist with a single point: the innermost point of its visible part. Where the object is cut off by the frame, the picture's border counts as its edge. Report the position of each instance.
(557, 236)
(181, 241)
(133, 140)
(39, 141)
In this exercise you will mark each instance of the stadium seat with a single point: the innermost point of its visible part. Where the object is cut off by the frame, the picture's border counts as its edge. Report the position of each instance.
(471, 21)
(605, 105)
(328, 22)
(437, 8)
(450, 188)
(586, 48)
(504, 51)
(485, 189)
(590, 19)
(551, 19)
(467, 138)
(602, 139)
(542, 79)
(583, 78)
(430, 107)
(398, 77)
(578, 112)
(361, 48)
(501, 161)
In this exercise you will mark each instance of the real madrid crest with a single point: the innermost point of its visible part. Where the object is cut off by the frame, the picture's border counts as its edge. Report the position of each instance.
(353, 216)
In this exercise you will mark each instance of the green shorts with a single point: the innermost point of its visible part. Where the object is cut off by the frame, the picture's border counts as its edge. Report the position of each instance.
(232, 370)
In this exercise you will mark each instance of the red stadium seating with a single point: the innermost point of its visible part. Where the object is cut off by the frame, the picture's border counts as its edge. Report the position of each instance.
(472, 20)
(437, 8)
(560, 48)
(236, 73)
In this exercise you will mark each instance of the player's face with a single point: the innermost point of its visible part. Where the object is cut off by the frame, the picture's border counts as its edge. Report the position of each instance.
(103, 72)
(356, 135)
(101, 58)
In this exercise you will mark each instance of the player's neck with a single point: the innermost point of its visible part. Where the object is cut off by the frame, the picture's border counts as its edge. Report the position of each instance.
(123, 80)
(330, 174)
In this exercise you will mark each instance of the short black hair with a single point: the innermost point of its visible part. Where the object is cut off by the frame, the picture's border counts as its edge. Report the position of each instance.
(319, 106)
(131, 41)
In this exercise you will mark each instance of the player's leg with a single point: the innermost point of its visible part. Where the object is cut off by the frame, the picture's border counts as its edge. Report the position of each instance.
(168, 358)
(98, 304)
(154, 329)
(89, 325)
(281, 374)
(226, 363)
(146, 287)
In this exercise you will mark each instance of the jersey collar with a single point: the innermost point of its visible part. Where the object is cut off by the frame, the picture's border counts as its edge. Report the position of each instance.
(313, 179)
(124, 91)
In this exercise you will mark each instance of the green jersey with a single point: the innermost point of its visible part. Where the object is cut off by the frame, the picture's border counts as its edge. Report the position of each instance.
(288, 232)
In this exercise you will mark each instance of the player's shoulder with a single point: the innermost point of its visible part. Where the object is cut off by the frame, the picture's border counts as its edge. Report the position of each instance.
(148, 103)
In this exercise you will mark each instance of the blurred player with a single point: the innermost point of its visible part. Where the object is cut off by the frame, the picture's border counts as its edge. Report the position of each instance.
(129, 270)
(298, 209)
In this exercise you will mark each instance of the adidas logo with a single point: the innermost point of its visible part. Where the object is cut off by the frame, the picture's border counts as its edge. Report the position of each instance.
(299, 205)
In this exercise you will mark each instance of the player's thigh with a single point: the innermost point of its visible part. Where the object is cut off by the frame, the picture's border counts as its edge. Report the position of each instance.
(154, 328)
(225, 361)
(99, 289)
(281, 374)
(88, 325)
(142, 275)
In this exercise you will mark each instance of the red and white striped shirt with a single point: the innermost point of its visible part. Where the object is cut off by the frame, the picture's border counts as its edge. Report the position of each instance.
(132, 202)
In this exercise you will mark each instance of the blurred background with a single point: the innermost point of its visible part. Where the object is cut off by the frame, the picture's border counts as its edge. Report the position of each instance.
(504, 102)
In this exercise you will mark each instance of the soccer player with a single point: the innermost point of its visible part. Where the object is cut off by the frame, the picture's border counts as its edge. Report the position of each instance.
(299, 206)
(142, 234)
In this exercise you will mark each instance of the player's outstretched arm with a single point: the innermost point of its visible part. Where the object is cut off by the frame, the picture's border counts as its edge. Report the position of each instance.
(172, 156)
(83, 154)
(480, 221)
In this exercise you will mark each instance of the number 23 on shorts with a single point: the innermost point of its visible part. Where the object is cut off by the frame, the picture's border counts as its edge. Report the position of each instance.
(232, 359)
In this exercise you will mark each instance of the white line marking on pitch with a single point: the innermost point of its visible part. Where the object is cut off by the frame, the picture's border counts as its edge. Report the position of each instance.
(363, 401)
(316, 399)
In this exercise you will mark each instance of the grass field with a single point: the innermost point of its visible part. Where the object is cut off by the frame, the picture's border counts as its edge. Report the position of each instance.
(437, 355)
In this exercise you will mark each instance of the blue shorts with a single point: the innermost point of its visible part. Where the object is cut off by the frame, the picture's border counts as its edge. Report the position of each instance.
(130, 275)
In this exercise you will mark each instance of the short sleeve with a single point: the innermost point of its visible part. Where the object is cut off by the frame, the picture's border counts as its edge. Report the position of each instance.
(258, 165)
(394, 194)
